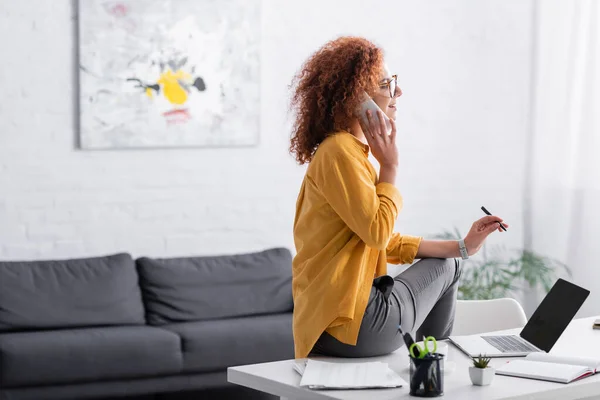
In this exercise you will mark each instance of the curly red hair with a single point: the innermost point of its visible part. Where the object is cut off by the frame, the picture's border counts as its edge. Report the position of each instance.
(328, 88)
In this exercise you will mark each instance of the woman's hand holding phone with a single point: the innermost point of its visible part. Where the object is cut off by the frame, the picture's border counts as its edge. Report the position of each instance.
(383, 146)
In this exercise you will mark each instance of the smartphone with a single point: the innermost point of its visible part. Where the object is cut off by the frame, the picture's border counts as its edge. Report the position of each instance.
(367, 103)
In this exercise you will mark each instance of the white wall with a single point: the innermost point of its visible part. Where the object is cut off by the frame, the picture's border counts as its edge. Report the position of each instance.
(565, 190)
(463, 66)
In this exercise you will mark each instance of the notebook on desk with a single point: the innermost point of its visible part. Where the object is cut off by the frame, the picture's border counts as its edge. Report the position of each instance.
(552, 368)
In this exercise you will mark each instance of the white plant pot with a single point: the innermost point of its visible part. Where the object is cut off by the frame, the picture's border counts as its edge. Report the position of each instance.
(481, 376)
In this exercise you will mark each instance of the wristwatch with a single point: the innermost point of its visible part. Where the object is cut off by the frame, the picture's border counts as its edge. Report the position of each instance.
(463, 249)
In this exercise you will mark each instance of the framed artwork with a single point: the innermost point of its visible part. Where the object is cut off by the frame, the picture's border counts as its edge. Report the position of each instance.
(169, 73)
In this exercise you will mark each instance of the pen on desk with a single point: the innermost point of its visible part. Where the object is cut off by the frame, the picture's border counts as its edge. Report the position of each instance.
(489, 213)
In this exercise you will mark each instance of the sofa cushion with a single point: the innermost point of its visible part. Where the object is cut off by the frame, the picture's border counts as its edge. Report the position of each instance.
(203, 288)
(215, 345)
(69, 293)
(86, 355)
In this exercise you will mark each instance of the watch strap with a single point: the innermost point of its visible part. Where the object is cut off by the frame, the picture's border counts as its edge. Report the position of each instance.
(463, 249)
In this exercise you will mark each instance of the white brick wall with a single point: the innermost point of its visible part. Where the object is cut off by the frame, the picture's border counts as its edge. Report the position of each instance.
(464, 69)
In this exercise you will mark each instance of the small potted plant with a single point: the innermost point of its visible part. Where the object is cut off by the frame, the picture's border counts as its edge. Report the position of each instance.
(480, 373)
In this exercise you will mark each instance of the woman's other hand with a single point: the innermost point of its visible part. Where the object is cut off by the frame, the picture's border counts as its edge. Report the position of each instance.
(480, 230)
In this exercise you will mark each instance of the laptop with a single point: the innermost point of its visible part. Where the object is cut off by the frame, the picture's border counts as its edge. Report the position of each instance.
(542, 331)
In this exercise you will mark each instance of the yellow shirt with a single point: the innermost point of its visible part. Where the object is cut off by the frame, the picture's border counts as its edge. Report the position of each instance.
(343, 232)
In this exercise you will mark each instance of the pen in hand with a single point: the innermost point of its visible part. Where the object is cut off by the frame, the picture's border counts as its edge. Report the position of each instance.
(489, 213)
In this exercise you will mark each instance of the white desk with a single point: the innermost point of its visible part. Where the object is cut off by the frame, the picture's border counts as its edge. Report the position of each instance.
(278, 378)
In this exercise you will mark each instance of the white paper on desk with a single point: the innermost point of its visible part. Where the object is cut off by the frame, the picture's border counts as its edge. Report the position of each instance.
(300, 366)
(327, 375)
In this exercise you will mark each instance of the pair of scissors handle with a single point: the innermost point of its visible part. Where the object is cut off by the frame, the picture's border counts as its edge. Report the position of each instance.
(421, 353)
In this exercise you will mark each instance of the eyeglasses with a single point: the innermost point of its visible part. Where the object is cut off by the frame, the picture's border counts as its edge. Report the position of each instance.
(392, 84)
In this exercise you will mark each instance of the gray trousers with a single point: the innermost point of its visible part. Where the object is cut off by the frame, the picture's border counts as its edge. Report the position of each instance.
(421, 299)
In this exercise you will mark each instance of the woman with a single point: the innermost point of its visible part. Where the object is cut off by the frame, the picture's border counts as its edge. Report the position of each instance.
(345, 304)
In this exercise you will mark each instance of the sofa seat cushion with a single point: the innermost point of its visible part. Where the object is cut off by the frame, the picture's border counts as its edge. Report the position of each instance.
(86, 355)
(215, 287)
(215, 345)
(74, 293)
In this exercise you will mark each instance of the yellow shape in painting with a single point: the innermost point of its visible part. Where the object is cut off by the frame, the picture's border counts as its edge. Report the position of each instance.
(149, 92)
(171, 87)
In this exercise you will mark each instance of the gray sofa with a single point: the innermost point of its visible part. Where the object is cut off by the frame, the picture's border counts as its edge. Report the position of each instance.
(110, 326)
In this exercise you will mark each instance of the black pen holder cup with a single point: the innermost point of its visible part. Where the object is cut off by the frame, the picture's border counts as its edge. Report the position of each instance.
(427, 375)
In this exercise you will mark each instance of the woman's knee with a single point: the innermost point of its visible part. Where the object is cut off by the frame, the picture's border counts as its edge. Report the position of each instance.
(451, 268)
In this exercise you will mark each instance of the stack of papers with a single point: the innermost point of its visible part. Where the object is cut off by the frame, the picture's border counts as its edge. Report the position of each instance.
(328, 375)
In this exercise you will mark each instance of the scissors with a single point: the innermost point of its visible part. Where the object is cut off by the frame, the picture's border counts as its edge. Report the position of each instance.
(417, 352)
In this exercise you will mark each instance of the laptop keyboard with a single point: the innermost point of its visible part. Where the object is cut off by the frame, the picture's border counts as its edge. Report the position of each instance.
(509, 344)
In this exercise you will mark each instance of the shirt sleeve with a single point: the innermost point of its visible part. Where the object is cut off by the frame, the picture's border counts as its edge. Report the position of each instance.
(402, 249)
(370, 210)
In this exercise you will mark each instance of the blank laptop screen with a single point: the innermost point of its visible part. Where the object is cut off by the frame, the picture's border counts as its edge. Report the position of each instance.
(553, 314)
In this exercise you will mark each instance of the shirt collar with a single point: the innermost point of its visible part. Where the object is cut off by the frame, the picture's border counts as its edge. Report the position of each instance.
(362, 145)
